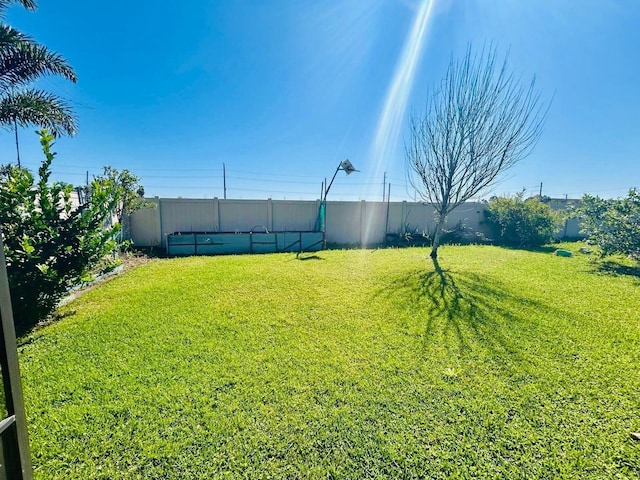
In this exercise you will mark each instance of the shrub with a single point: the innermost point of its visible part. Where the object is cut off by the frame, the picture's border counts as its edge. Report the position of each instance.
(131, 198)
(49, 244)
(460, 234)
(522, 223)
(613, 225)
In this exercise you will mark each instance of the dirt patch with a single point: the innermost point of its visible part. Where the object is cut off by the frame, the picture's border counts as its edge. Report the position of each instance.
(129, 261)
(133, 260)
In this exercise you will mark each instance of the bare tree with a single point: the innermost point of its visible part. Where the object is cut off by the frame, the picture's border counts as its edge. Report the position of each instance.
(479, 123)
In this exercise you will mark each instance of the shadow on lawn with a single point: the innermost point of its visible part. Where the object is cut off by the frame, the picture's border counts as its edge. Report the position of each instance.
(308, 257)
(470, 309)
(24, 331)
(542, 249)
(614, 268)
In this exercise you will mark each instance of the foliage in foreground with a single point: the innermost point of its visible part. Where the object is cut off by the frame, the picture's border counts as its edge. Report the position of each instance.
(613, 225)
(49, 244)
(349, 364)
(519, 222)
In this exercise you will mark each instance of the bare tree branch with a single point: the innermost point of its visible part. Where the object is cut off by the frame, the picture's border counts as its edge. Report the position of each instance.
(479, 123)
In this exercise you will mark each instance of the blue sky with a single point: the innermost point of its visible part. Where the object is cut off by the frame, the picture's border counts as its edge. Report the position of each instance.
(282, 91)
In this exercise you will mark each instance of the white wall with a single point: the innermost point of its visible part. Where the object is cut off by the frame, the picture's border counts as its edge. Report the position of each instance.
(348, 223)
(145, 225)
(294, 215)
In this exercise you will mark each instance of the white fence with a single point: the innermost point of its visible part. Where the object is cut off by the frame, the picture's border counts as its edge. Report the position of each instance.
(347, 223)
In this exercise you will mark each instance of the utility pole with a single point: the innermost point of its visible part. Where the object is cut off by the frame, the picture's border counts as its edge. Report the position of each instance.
(540, 190)
(384, 186)
(224, 180)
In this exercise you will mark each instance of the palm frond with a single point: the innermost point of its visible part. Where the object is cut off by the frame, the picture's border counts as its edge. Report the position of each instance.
(28, 4)
(10, 37)
(24, 61)
(36, 107)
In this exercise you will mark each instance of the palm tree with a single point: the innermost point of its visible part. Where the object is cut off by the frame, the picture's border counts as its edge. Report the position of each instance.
(23, 61)
(28, 4)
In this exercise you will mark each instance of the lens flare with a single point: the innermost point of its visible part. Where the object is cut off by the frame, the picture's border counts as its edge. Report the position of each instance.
(395, 105)
(393, 114)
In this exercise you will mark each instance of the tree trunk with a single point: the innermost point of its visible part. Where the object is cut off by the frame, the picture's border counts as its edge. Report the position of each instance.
(436, 237)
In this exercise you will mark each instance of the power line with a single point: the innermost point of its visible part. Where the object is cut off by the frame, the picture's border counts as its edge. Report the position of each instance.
(199, 177)
(242, 189)
(252, 176)
(276, 180)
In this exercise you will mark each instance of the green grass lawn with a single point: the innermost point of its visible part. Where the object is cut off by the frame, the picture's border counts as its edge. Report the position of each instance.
(349, 364)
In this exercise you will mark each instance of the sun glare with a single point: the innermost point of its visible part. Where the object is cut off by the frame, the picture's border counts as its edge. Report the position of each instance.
(392, 118)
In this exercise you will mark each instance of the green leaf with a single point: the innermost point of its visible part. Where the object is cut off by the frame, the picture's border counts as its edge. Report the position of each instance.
(44, 268)
(26, 245)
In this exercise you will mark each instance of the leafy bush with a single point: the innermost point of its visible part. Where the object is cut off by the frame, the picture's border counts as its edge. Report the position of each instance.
(613, 225)
(49, 244)
(460, 234)
(131, 198)
(522, 223)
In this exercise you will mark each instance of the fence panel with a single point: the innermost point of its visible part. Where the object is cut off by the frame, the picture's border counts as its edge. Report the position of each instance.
(373, 223)
(187, 215)
(347, 223)
(291, 216)
(343, 223)
(144, 225)
(243, 215)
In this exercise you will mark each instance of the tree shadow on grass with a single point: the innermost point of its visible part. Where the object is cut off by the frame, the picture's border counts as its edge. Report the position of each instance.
(25, 331)
(610, 267)
(302, 257)
(308, 257)
(470, 311)
(542, 249)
